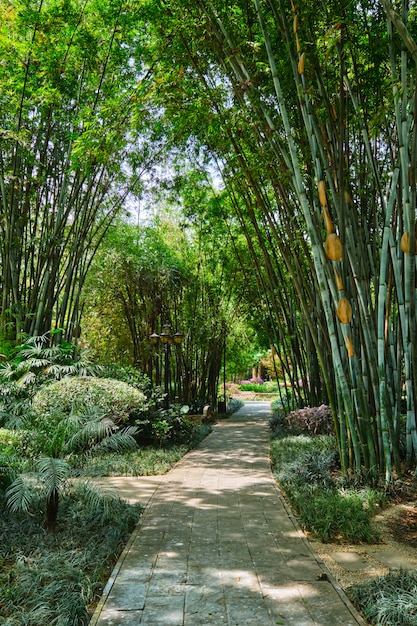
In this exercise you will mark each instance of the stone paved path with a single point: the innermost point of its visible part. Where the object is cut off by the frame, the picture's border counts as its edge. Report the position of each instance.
(217, 545)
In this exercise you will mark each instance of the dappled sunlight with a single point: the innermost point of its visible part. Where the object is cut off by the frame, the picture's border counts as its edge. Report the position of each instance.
(216, 540)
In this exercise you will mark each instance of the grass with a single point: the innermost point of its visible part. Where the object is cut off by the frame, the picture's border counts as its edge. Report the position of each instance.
(143, 462)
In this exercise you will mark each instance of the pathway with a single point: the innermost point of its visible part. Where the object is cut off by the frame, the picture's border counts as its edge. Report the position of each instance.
(217, 545)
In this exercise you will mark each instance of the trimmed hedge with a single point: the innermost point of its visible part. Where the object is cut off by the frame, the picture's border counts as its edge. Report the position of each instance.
(114, 398)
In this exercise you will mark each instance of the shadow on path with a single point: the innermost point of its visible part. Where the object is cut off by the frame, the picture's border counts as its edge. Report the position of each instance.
(217, 545)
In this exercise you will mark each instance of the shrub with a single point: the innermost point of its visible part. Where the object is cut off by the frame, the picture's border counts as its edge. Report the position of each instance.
(258, 386)
(129, 375)
(287, 448)
(12, 450)
(311, 420)
(234, 405)
(256, 381)
(165, 426)
(115, 399)
(304, 468)
(50, 581)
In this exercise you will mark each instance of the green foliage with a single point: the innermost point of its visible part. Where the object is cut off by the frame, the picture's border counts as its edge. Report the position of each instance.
(165, 426)
(31, 365)
(285, 448)
(305, 467)
(234, 405)
(112, 398)
(129, 375)
(335, 516)
(70, 74)
(50, 581)
(55, 436)
(145, 461)
(267, 387)
(390, 599)
(13, 451)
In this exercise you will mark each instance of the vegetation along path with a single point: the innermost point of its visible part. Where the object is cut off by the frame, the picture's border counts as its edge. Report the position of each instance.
(217, 545)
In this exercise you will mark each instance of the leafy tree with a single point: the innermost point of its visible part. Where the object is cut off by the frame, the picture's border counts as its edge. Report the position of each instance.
(146, 276)
(69, 91)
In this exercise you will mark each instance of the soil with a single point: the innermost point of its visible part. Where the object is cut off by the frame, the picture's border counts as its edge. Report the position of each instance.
(396, 526)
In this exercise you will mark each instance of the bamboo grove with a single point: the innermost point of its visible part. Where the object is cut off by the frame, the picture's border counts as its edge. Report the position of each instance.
(309, 111)
(68, 76)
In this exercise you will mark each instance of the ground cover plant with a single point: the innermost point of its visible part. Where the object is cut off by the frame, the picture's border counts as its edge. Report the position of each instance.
(58, 578)
(390, 599)
(144, 461)
(61, 533)
(337, 509)
(306, 468)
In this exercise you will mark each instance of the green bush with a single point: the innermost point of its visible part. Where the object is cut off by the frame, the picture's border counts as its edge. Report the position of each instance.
(268, 387)
(286, 448)
(165, 427)
(114, 398)
(332, 516)
(130, 375)
(12, 455)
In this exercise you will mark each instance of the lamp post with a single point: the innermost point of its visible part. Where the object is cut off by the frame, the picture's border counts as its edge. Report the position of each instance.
(167, 338)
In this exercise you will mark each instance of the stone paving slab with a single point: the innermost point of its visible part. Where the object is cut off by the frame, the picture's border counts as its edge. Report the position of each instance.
(351, 561)
(217, 544)
(394, 561)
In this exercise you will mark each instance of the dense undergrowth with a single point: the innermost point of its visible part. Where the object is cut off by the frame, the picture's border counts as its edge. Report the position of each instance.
(335, 508)
(64, 421)
(56, 578)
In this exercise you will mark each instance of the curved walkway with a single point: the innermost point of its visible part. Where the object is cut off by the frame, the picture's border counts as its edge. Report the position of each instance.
(216, 544)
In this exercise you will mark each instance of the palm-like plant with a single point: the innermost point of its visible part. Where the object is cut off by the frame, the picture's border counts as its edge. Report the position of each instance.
(60, 436)
(39, 359)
